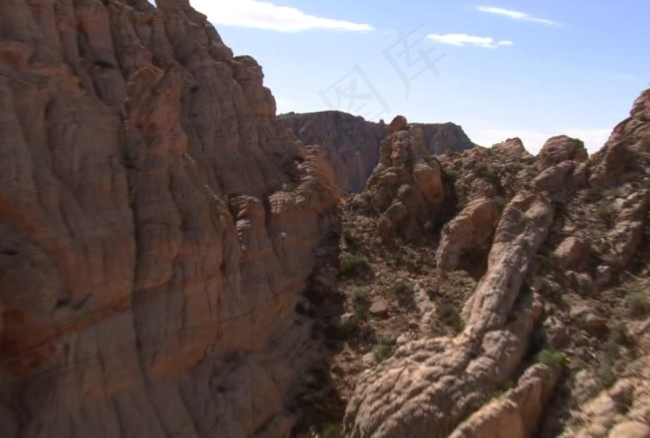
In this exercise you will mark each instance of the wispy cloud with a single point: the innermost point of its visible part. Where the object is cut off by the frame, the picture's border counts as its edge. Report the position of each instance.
(462, 39)
(265, 15)
(516, 15)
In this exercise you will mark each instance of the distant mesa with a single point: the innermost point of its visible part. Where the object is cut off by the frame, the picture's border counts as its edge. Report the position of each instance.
(352, 143)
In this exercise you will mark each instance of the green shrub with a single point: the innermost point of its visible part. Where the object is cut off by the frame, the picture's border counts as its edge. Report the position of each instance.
(553, 358)
(402, 288)
(612, 193)
(348, 237)
(360, 303)
(637, 302)
(451, 174)
(621, 336)
(382, 351)
(450, 315)
(607, 375)
(550, 290)
(353, 264)
(504, 387)
(608, 213)
(331, 430)
(403, 292)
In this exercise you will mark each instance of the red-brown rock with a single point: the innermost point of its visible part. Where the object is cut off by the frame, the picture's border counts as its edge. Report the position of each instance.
(157, 227)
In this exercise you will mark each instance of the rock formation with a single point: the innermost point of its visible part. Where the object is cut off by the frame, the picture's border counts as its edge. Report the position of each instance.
(406, 188)
(352, 143)
(172, 261)
(157, 227)
(552, 241)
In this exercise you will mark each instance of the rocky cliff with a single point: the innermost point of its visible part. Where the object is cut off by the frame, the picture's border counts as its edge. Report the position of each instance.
(173, 262)
(352, 143)
(157, 227)
(492, 293)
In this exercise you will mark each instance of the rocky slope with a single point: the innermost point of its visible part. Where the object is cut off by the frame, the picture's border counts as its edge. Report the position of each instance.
(157, 227)
(525, 314)
(352, 143)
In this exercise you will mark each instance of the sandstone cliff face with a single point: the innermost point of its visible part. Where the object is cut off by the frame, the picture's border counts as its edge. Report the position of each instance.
(156, 227)
(352, 143)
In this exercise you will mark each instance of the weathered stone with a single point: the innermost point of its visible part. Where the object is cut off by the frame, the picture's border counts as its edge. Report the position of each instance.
(571, 252)
(399, 123)
(379, 307)
(423, 375)
(150, 255)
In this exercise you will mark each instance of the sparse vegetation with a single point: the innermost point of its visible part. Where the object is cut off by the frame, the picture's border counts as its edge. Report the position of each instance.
(624, 402)
(360, 303)
(383, 351)
(504, 387)
(621, 336)
(607, 375)
(608, 213)
(451, 174)
(612, 193)
(489, 174)
(553, 358)
(637, 302)
(403, 292)
(450, 316)
(353, 264)
(550, 290)
(348, 237)
(331, 430)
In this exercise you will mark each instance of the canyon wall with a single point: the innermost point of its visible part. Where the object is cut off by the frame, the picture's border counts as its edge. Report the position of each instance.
(352, 144)
(157, 227)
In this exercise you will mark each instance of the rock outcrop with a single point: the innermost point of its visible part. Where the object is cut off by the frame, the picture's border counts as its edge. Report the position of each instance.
(352, 143)
(406, 188)
(559, 246)
(157, 227)
(430, 385)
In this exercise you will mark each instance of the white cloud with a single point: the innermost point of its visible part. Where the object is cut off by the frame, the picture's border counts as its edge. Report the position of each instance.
(461, 39)
(265, 15)
(516, 15)
(594, 139)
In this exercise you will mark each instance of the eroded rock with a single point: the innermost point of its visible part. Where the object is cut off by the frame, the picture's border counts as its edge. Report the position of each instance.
(157, 227)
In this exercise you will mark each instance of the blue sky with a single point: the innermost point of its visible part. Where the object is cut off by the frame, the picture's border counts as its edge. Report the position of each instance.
(498, 68)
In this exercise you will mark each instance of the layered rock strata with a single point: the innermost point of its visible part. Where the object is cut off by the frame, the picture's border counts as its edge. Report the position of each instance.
(156, 227)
